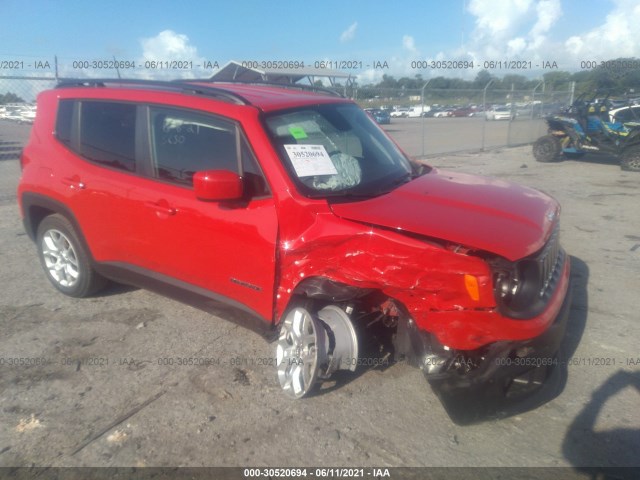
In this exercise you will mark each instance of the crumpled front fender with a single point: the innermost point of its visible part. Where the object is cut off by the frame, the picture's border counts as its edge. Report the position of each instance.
(424, 276)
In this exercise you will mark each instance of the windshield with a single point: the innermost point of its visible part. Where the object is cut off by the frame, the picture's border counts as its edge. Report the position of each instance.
(336, 149)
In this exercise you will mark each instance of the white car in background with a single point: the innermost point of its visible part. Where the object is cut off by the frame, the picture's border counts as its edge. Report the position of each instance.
(13, 113)
(400, 112)
(499, 113)
(28, 114)
(442, 113)
(418, 111)
(630, 113)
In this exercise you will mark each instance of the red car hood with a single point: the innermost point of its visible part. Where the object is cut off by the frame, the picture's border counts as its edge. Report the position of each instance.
(479, 212)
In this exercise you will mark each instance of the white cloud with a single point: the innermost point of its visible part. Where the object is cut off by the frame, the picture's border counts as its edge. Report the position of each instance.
(548, 12)
(498, 18)
(349, 33)
(616, 37)
(516, 46)
(523, 29)
(170, 46)
(408, 43)
(513, 29)
(369, 76)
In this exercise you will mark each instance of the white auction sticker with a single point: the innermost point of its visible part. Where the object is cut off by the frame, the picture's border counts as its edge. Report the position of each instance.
(310, 160)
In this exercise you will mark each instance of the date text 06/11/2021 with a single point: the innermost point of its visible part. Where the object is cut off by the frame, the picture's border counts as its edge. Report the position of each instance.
(316, 472)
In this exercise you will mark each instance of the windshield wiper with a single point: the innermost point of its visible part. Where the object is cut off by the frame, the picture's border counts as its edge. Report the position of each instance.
(391, 186)
(347, 194)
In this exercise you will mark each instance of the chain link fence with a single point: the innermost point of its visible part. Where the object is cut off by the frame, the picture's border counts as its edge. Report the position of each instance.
(424, 122)
(434, 121)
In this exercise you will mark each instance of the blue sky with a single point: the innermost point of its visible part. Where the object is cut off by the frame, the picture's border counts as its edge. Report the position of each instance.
(564, 31)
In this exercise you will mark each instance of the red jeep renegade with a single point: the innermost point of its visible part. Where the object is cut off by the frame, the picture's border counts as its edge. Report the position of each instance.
(292, 212)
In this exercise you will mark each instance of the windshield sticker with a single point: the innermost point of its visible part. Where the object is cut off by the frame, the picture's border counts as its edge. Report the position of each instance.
(310, 160)
(298, 133)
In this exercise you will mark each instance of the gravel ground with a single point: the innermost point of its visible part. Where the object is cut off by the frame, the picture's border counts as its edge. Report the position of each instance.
(106, 396)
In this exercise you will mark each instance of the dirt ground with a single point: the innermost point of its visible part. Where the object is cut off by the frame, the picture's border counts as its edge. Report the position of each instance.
(102, 381)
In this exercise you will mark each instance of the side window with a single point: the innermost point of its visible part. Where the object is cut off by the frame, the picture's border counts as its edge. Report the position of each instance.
(184, 143)
(64, 120)
(107, 133)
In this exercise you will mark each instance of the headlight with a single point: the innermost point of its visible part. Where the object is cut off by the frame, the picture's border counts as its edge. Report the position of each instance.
(523, 288)
(516, 289)
(505, 286)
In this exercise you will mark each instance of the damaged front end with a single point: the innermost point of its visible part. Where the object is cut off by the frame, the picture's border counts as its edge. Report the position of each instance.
(457, 273)
(484, 330)
(487, 382)
(494, 380)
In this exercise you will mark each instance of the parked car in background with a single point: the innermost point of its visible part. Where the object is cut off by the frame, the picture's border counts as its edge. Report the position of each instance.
(13, 113)
(19, 113)
(462, 112)
(28, 114)
(400, 112)
(380, 116)
(499, 113)
(442, 113)
(418, 110)
(630, 113)
(539, 110)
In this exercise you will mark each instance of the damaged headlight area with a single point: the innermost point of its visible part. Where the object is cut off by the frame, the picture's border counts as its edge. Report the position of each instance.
(523, 288)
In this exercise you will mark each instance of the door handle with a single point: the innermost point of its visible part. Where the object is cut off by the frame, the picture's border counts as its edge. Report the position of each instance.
(162, 208)
(73, 182)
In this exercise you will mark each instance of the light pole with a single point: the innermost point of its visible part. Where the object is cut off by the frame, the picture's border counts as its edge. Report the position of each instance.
(423, 117)
(484, 108)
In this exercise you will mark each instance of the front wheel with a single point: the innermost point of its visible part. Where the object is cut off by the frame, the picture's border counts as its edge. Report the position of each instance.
(547, 149)
(301, 349)
(64, 258)
(631, 159)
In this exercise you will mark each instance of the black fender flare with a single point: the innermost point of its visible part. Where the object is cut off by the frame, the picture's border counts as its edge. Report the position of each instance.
(36, 207)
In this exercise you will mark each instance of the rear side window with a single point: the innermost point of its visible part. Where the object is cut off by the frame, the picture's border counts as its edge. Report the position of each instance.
(108, 134)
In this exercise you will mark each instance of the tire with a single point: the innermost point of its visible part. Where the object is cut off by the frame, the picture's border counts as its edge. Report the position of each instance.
(547, 149)
(65, 260)
(630, 160)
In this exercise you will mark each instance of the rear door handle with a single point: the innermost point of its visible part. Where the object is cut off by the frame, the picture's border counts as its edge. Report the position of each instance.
(162, 208)
(73, 182)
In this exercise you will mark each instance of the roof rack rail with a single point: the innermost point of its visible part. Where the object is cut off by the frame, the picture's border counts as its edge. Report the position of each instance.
(174, 85)
(291, 86)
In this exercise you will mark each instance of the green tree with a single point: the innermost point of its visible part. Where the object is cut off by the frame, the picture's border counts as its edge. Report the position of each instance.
(10, 97)
(482, 78)
(556, 80)
(387, 82)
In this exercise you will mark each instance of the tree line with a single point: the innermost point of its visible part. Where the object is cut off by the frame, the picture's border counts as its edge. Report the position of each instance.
(620, 76)
(10, 97)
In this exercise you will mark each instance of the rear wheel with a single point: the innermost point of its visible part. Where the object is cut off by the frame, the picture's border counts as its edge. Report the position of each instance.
(547, 149)
(631, 159)
(64, 258)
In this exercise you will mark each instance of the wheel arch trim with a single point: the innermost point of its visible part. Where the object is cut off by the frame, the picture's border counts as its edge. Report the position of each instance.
(33, 202)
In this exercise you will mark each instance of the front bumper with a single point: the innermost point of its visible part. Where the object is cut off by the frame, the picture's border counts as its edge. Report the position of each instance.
(510, 374)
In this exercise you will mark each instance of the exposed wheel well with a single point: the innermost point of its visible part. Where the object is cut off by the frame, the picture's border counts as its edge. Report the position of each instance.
(382, 323)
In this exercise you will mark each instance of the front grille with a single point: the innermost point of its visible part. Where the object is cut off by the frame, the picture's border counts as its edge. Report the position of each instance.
(549, 262)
